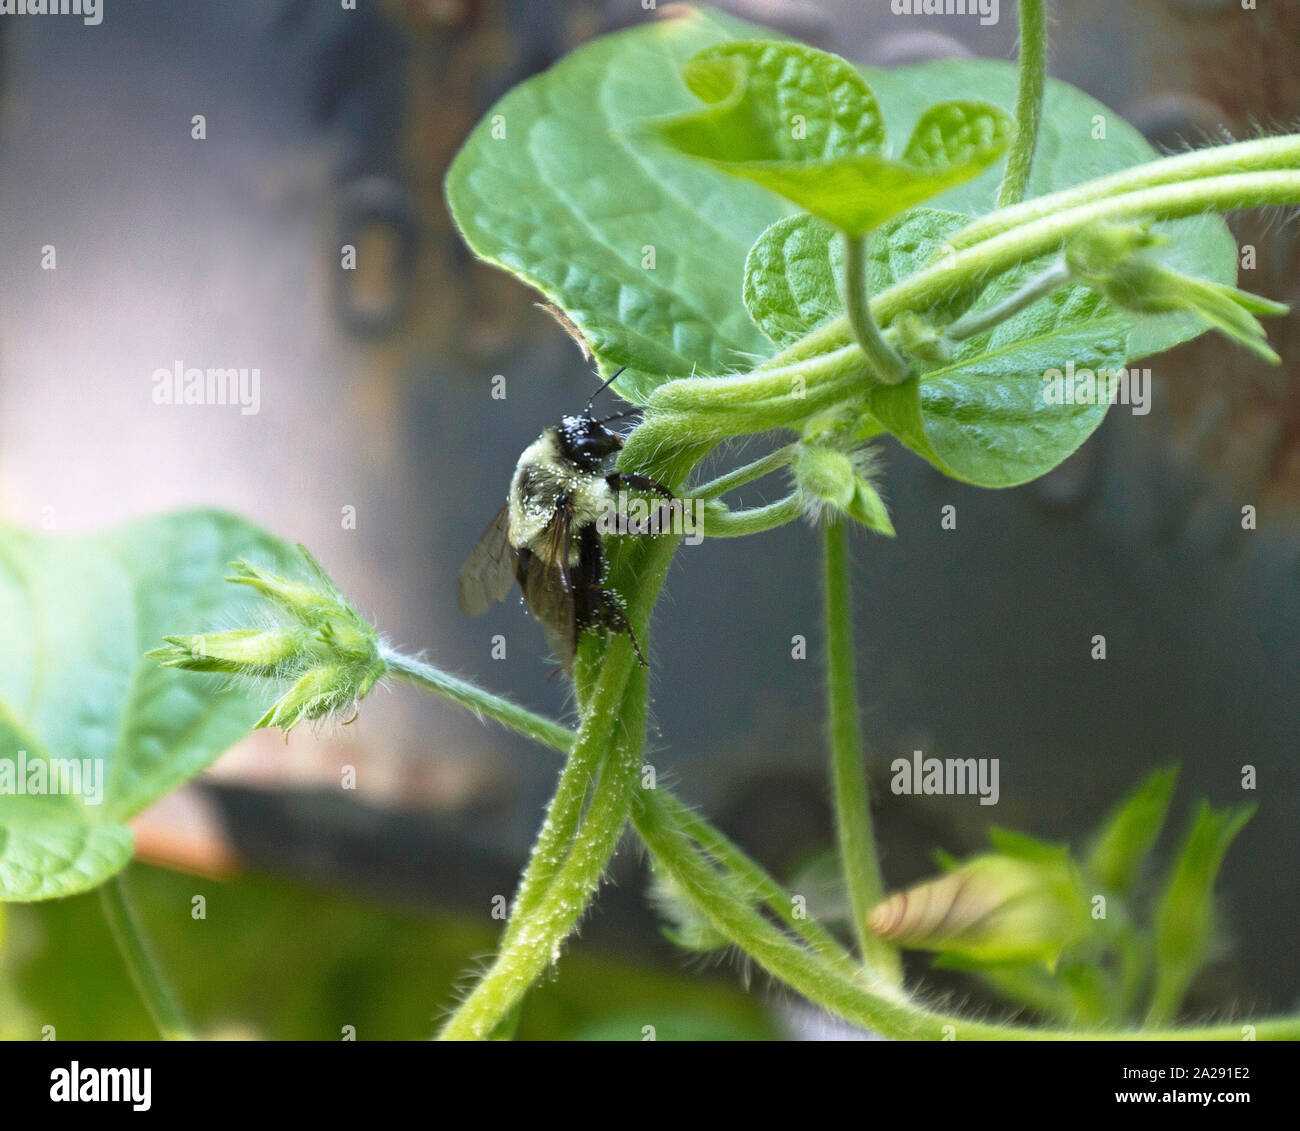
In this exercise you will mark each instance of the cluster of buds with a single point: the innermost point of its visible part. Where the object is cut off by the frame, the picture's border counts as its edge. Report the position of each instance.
(329, 651)
(1016, 905)
(1111, 258)
(833, 472)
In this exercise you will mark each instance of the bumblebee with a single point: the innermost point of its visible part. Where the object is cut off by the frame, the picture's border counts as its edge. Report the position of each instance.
(546, 535)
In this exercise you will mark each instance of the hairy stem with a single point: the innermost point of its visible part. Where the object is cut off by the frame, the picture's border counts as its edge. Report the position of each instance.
(482, 703)
(878, 1007)
(561, 878)
(885, 361)
(1038, 287)
(751, 875)
(1257, 156)
(550, 733)
(769, 463)
(1029, 102)
(719, 522)
(853, 828)
(157, 995)
(669, 827)
(825, 354)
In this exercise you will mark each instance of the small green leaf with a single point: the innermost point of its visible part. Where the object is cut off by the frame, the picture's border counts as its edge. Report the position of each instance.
(793, 278)
(804, 124)
(774, 101)
(794, 274)
(1129, 831)
(1184, 917)
(76, 617)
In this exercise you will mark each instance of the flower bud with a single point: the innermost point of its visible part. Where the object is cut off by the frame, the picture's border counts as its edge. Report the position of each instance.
(245, 650)
(318, 693)
(1093, 253)
(830, 479)
(992, 909)
(1106, 257)
(329, 650)
(917, 338)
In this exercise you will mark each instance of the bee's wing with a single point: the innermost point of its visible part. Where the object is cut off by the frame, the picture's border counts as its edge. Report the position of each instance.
(489, 570)
(548, 586)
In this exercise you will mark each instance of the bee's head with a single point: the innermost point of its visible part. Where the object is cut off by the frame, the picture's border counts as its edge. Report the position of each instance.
(587, 441)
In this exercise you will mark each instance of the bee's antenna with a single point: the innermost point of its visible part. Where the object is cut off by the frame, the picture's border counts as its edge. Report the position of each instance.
(620, 415)
(603, 387)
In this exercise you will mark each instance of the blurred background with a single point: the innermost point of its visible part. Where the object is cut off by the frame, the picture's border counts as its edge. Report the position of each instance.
(327, 126)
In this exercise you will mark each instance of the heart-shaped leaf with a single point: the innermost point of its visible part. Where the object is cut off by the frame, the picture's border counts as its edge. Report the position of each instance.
(990, 416)
(794, 275)
(562, 185)
(804, 124)
(90, 731)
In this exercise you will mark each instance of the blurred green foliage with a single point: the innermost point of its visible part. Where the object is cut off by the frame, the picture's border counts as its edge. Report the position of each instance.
(277, 960)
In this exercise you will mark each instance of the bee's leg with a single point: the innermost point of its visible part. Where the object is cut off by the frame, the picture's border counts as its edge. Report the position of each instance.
(661, 520)
(634, 482)
(610, 611)
(595, 606)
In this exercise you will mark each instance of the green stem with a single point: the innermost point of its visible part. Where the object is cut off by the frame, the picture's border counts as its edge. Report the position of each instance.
(482, 703)
(776, 383)
(831, 378)
(557, 887)
(1256, 156)
(1029, 102)
(751, 876)
(853, 828)
(1039, 287)
(550, 733)
(885, 360)
(140, 962)
(560, 828)
(719, 522)
(769, 463)
(668, 827)
(880, 1008)
(555, 892)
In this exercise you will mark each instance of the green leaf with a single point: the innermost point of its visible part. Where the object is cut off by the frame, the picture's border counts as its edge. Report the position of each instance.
(76, 617)
(794, 274)
(1184, 917)
(562, 185)
(984, 417)
(804, 124)
(573, 194)
(775, 101)
(1129, 831)
(793, 278)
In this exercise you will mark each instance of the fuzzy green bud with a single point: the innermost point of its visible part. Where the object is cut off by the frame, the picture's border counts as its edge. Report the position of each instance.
(830, 479)
(995, 908)
(1108, 257)
(1096, 251)
(917, 338)
(245, 650)
(329, 650)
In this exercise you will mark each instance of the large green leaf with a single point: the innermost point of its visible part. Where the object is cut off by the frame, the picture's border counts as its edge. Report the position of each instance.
(77, 615)
(563, 185)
